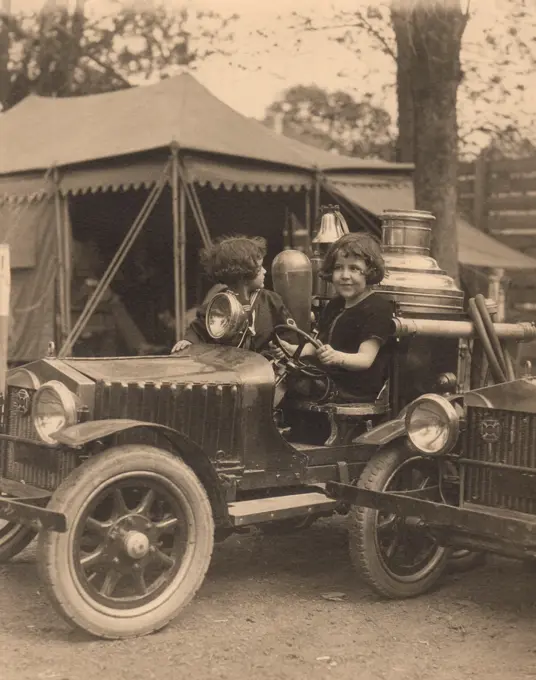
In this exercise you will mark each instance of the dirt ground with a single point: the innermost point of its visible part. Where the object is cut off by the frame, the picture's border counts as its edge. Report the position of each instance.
(262, 614)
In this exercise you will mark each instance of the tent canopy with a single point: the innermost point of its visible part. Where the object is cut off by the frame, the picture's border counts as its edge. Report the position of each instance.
(41, 132)
(121, 139)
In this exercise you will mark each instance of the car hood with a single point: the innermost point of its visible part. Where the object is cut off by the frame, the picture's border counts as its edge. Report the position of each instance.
(517, 395)
(197, 364)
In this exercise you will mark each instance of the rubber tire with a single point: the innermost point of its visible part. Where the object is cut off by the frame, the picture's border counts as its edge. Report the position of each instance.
(467, 562)
(14, 544)
(55, 555)
(362, 531)
(283, 527)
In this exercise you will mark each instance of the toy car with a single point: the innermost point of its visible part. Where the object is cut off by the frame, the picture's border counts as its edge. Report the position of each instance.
(129, 468)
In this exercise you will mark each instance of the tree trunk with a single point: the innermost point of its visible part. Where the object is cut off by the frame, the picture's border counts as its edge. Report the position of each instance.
(429, 39)
(405, 150)
(4, 53)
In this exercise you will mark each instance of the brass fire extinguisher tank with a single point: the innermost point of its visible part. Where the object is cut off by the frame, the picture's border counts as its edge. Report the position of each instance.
(413, 278)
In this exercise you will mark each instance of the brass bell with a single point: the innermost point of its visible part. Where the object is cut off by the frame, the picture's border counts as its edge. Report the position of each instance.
(332, 226)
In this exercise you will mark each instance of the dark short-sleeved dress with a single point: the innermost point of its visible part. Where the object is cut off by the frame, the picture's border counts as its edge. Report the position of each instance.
(345, 330)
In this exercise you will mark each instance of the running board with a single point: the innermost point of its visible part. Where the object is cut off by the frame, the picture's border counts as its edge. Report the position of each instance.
(259, 510)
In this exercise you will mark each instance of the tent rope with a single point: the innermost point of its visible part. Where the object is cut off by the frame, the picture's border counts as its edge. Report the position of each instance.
(116, 262)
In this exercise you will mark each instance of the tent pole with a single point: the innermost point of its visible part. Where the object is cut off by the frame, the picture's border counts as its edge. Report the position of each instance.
(182, 257)
(308, 224)
(63, 208)
(179, 233)
(316, 210)
(62, 271)
(195, 205)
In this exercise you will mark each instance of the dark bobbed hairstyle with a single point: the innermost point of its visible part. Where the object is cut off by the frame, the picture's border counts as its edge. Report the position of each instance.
(359, 245)
(232, 259)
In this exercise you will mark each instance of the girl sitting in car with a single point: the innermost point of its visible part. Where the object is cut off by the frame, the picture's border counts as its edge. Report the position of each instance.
(355, 324)
(237, 263)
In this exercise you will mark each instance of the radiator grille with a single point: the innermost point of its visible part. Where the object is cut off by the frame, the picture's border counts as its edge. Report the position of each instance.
(44, 468)
(206, 413)
(502, 438)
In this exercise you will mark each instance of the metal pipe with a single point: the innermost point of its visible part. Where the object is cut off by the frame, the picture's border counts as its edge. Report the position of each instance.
(522, 331)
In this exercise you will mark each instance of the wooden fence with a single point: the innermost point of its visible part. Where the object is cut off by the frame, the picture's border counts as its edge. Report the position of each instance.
(499, 197)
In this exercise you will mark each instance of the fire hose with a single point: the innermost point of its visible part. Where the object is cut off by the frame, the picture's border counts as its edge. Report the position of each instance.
(502, 354)
(501, 368)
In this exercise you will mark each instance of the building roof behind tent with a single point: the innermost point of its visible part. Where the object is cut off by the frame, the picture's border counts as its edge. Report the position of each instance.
(41, 132)
(477, 249)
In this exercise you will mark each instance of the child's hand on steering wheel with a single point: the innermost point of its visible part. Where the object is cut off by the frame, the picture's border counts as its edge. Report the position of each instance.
(328, 356)
(278, 352)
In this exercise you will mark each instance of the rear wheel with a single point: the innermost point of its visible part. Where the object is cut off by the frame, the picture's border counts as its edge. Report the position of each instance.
(13, 539)
(138, 544)
(392, 554)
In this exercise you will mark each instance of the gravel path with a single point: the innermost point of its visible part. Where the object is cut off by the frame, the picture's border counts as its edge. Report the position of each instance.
(262, 613)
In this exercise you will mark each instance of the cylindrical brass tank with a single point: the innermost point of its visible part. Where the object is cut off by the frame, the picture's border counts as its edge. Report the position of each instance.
(414, 280)
(293, 279)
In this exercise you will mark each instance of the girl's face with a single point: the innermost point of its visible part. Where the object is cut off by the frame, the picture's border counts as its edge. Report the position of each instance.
(349, 278)
(258, 281)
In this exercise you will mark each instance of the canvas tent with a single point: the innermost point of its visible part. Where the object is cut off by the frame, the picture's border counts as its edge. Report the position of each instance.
(171, 156)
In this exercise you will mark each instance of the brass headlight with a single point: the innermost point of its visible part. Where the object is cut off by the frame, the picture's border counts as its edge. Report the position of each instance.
(432, 424)
(54, 407)
(225, 317)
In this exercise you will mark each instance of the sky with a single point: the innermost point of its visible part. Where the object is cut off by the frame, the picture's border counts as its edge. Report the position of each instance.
(266, 58)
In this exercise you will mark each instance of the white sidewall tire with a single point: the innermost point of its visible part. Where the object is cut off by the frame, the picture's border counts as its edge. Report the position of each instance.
(55, 550)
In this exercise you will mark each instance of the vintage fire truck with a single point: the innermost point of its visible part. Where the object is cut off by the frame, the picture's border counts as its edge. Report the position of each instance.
(128, 469)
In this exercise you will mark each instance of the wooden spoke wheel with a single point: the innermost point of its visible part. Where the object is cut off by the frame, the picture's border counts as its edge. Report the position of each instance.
(393, 554)
(138, 544)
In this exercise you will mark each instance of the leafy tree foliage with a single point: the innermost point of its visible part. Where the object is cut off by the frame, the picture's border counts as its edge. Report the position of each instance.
(498, 62)
(333, 121)
(64, 52)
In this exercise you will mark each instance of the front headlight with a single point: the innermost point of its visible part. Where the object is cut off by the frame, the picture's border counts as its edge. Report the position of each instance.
(225, 317)
(54, 407)
(432, 424)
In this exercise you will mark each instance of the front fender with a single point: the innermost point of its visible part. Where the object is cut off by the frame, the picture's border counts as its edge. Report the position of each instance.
(78, 436)
(383, 434)
(392, 429)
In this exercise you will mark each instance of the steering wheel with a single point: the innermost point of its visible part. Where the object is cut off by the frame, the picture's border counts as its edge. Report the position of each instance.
(293, 360)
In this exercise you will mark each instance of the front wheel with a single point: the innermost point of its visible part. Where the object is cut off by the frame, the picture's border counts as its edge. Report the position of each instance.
(139, 541)
(393, 555)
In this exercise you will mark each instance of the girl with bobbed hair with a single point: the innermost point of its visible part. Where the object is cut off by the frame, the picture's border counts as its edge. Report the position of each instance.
(236, 264)
(360, 246)
(355, 325)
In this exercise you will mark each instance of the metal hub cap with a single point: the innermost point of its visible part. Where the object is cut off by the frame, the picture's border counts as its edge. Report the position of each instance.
(136, 544)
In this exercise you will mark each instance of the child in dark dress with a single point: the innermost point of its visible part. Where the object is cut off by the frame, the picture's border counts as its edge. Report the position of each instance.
(237, 262)
(356, 323)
